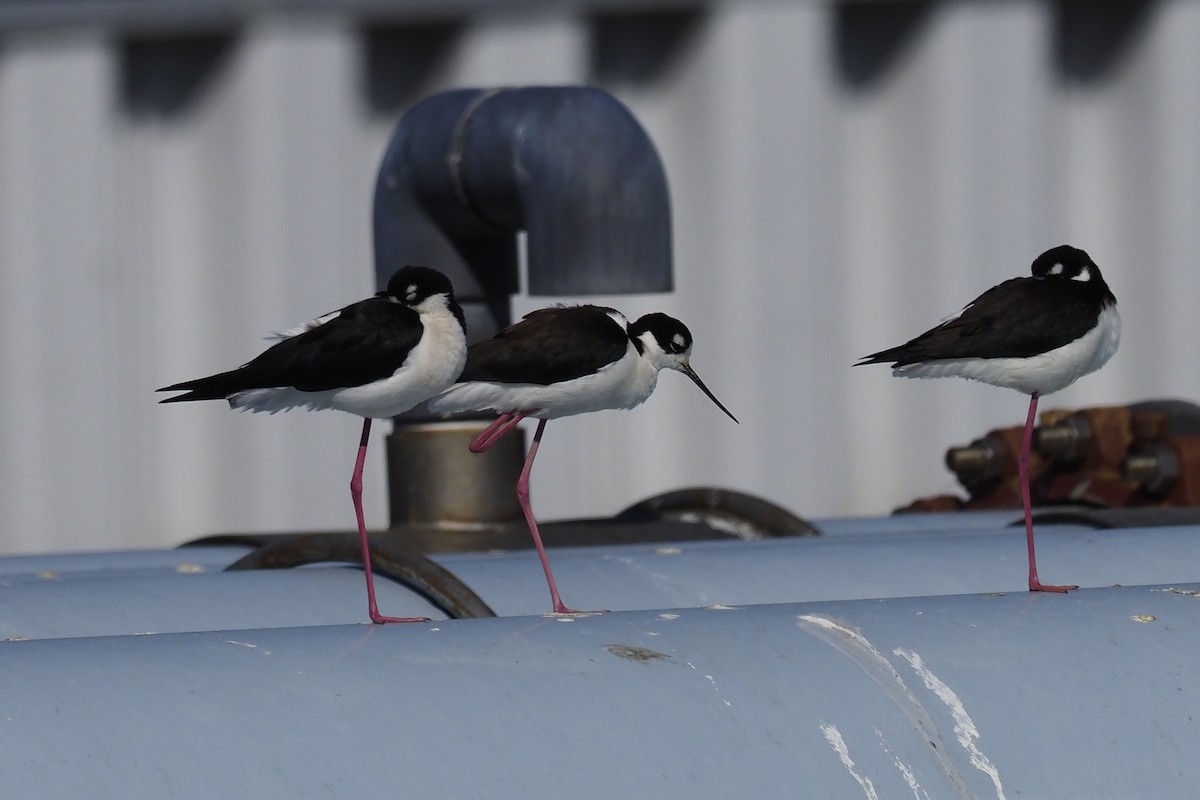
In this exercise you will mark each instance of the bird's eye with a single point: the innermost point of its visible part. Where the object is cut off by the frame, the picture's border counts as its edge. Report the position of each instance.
(678, 342)
(1084, 275)
(410, 294)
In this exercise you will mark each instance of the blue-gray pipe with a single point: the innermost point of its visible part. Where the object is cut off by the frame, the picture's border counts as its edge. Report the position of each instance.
(90, 595)
(969, 697)
(945, 679)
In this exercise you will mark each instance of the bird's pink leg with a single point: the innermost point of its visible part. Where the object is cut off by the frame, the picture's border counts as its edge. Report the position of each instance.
(356, 495)
(1023, 472)
(523, 497)
(496, 431)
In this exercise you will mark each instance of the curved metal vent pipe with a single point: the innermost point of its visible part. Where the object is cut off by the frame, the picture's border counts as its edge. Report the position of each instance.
(467, 170)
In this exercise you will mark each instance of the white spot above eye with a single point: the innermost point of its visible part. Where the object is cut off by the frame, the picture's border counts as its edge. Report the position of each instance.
(1057, 269)
(410, 294)
(1084, 275)
(678, 340)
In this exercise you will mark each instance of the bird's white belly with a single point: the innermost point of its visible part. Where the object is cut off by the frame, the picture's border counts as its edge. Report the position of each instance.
(1044, 373)
(623, 384)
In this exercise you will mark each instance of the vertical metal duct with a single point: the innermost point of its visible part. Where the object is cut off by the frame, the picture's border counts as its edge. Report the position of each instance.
(467, 171)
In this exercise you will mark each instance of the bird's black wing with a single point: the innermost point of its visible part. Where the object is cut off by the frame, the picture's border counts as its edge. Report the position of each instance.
(365, 342)
(1019, 318)
(549, 345)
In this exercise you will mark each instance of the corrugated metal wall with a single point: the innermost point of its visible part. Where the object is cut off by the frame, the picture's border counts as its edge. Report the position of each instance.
(178, 182)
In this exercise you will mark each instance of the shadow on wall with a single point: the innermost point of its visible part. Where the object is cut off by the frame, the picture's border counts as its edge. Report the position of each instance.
(162, 76)
(169, 75)
(638, 48)
(1090, 38)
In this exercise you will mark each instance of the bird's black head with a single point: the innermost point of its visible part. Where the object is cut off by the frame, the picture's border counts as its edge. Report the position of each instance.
(670, 335)
(667, 344)
(414, 285)
(1069, 263)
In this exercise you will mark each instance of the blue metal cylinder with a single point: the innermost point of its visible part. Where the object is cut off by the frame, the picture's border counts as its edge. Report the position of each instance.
(1020, 695)
(185, 590)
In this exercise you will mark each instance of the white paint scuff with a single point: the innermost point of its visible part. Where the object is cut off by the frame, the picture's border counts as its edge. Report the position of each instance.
(834, 737)
(849, 641)
(905, 769)
(964, 727)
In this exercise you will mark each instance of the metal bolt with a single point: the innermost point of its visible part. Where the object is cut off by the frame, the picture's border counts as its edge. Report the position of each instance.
(1155, 467)
(1068, 440)
(980, 461)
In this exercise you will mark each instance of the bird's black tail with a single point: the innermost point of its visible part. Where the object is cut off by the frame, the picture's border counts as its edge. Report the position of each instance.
(895, 355)
(184, 398)
(214, 387)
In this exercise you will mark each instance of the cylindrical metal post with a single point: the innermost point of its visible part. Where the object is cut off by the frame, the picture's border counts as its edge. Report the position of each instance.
(433, 479)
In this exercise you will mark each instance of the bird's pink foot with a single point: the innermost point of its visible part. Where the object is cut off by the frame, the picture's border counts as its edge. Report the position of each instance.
(380, 619)
(1038, 586)
(559, 608)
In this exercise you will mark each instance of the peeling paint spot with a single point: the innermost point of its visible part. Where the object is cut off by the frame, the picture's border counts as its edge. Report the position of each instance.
(669, 551)
(964, 727)
(838, 744)
(189, 569)
(1143, 618)
(638, 655)
(1184, 592)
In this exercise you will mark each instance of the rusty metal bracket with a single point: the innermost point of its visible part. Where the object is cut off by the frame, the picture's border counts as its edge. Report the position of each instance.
(1144, 454)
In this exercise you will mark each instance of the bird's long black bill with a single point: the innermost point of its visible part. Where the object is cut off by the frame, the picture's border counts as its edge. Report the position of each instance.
(691, 373)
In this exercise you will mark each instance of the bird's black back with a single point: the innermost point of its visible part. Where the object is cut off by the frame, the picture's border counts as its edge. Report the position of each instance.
(1018, 318)
(550, 345)
(366, 342)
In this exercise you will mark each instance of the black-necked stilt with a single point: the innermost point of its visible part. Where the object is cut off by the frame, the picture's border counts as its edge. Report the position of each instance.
(376, 358)
(562, 361)
(1036, 335)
